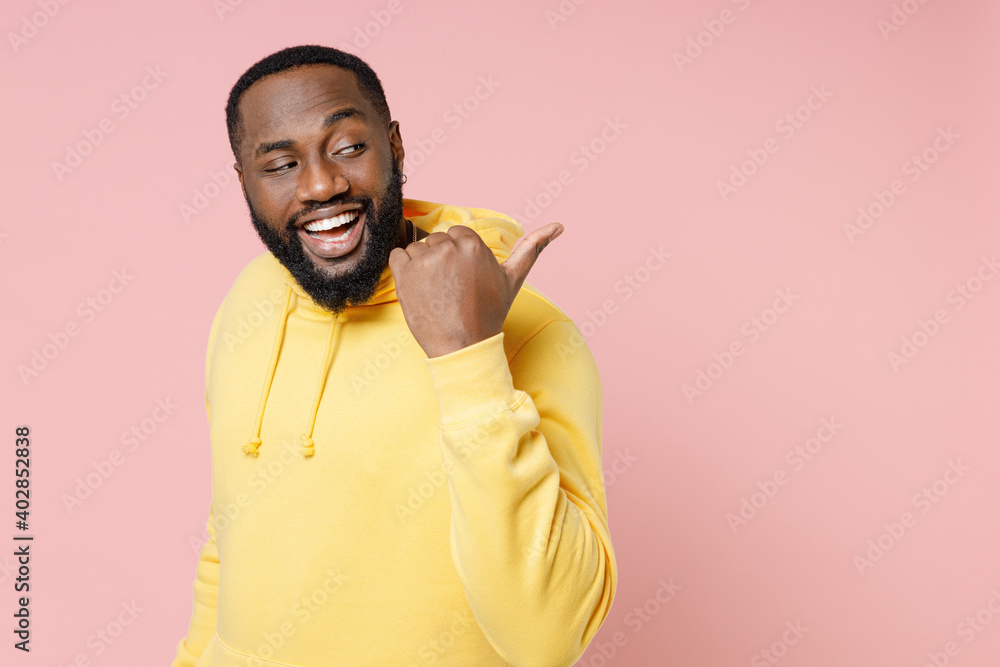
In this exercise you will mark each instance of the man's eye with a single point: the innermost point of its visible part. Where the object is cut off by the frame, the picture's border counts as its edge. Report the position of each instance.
(280, 167)
(352, 149)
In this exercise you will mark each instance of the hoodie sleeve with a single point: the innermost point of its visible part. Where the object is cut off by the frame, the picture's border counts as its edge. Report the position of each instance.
(529, 529)
(206, 583)
(206, 595)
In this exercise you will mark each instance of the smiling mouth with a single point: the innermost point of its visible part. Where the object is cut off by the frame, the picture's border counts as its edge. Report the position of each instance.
(335, 236)
(333, 229)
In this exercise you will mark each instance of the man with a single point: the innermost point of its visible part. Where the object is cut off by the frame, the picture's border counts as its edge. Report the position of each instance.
(406, 437)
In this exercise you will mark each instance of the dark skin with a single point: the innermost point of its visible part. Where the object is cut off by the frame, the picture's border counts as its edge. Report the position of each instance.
(451, 289)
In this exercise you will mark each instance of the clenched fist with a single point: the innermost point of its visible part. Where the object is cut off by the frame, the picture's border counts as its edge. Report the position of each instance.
(452, 290)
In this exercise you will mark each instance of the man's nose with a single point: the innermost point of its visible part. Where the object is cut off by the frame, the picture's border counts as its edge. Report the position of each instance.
(320, 180)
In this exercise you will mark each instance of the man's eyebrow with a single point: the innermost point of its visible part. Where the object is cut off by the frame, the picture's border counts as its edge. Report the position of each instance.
(273, 146)
(336, 116)
(349, 112)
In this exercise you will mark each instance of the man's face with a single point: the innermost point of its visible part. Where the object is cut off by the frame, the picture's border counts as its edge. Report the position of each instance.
(321, 173)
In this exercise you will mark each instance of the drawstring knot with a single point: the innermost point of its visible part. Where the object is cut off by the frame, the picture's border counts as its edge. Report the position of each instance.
(252, 447)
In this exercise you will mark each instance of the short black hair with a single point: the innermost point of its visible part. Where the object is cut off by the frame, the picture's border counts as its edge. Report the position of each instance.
(297, 56)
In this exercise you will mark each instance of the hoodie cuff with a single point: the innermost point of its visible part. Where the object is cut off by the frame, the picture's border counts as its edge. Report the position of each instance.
(472, 382)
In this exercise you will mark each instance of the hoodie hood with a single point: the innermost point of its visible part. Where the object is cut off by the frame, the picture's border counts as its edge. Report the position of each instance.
(498, 231)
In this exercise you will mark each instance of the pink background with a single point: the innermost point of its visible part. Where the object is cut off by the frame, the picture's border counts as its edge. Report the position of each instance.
(682, 465)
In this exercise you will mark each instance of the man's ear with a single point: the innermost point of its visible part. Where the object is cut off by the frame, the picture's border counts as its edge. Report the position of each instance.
(396, 142)
(239, 173)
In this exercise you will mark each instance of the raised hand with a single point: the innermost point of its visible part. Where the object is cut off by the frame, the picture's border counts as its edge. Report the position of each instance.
(452, 290)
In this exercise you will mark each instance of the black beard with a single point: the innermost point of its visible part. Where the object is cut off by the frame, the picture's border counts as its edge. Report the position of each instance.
(358, 286)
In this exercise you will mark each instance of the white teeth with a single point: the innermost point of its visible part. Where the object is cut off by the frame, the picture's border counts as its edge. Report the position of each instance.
(330, 223)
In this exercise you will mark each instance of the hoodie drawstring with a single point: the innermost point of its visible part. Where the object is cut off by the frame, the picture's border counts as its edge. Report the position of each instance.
(254, 444)
(308, 446)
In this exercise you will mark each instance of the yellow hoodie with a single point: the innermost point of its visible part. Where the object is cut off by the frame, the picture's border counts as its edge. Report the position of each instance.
(371, 506)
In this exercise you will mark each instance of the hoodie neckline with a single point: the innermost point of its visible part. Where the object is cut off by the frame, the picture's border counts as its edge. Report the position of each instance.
(497, 230)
